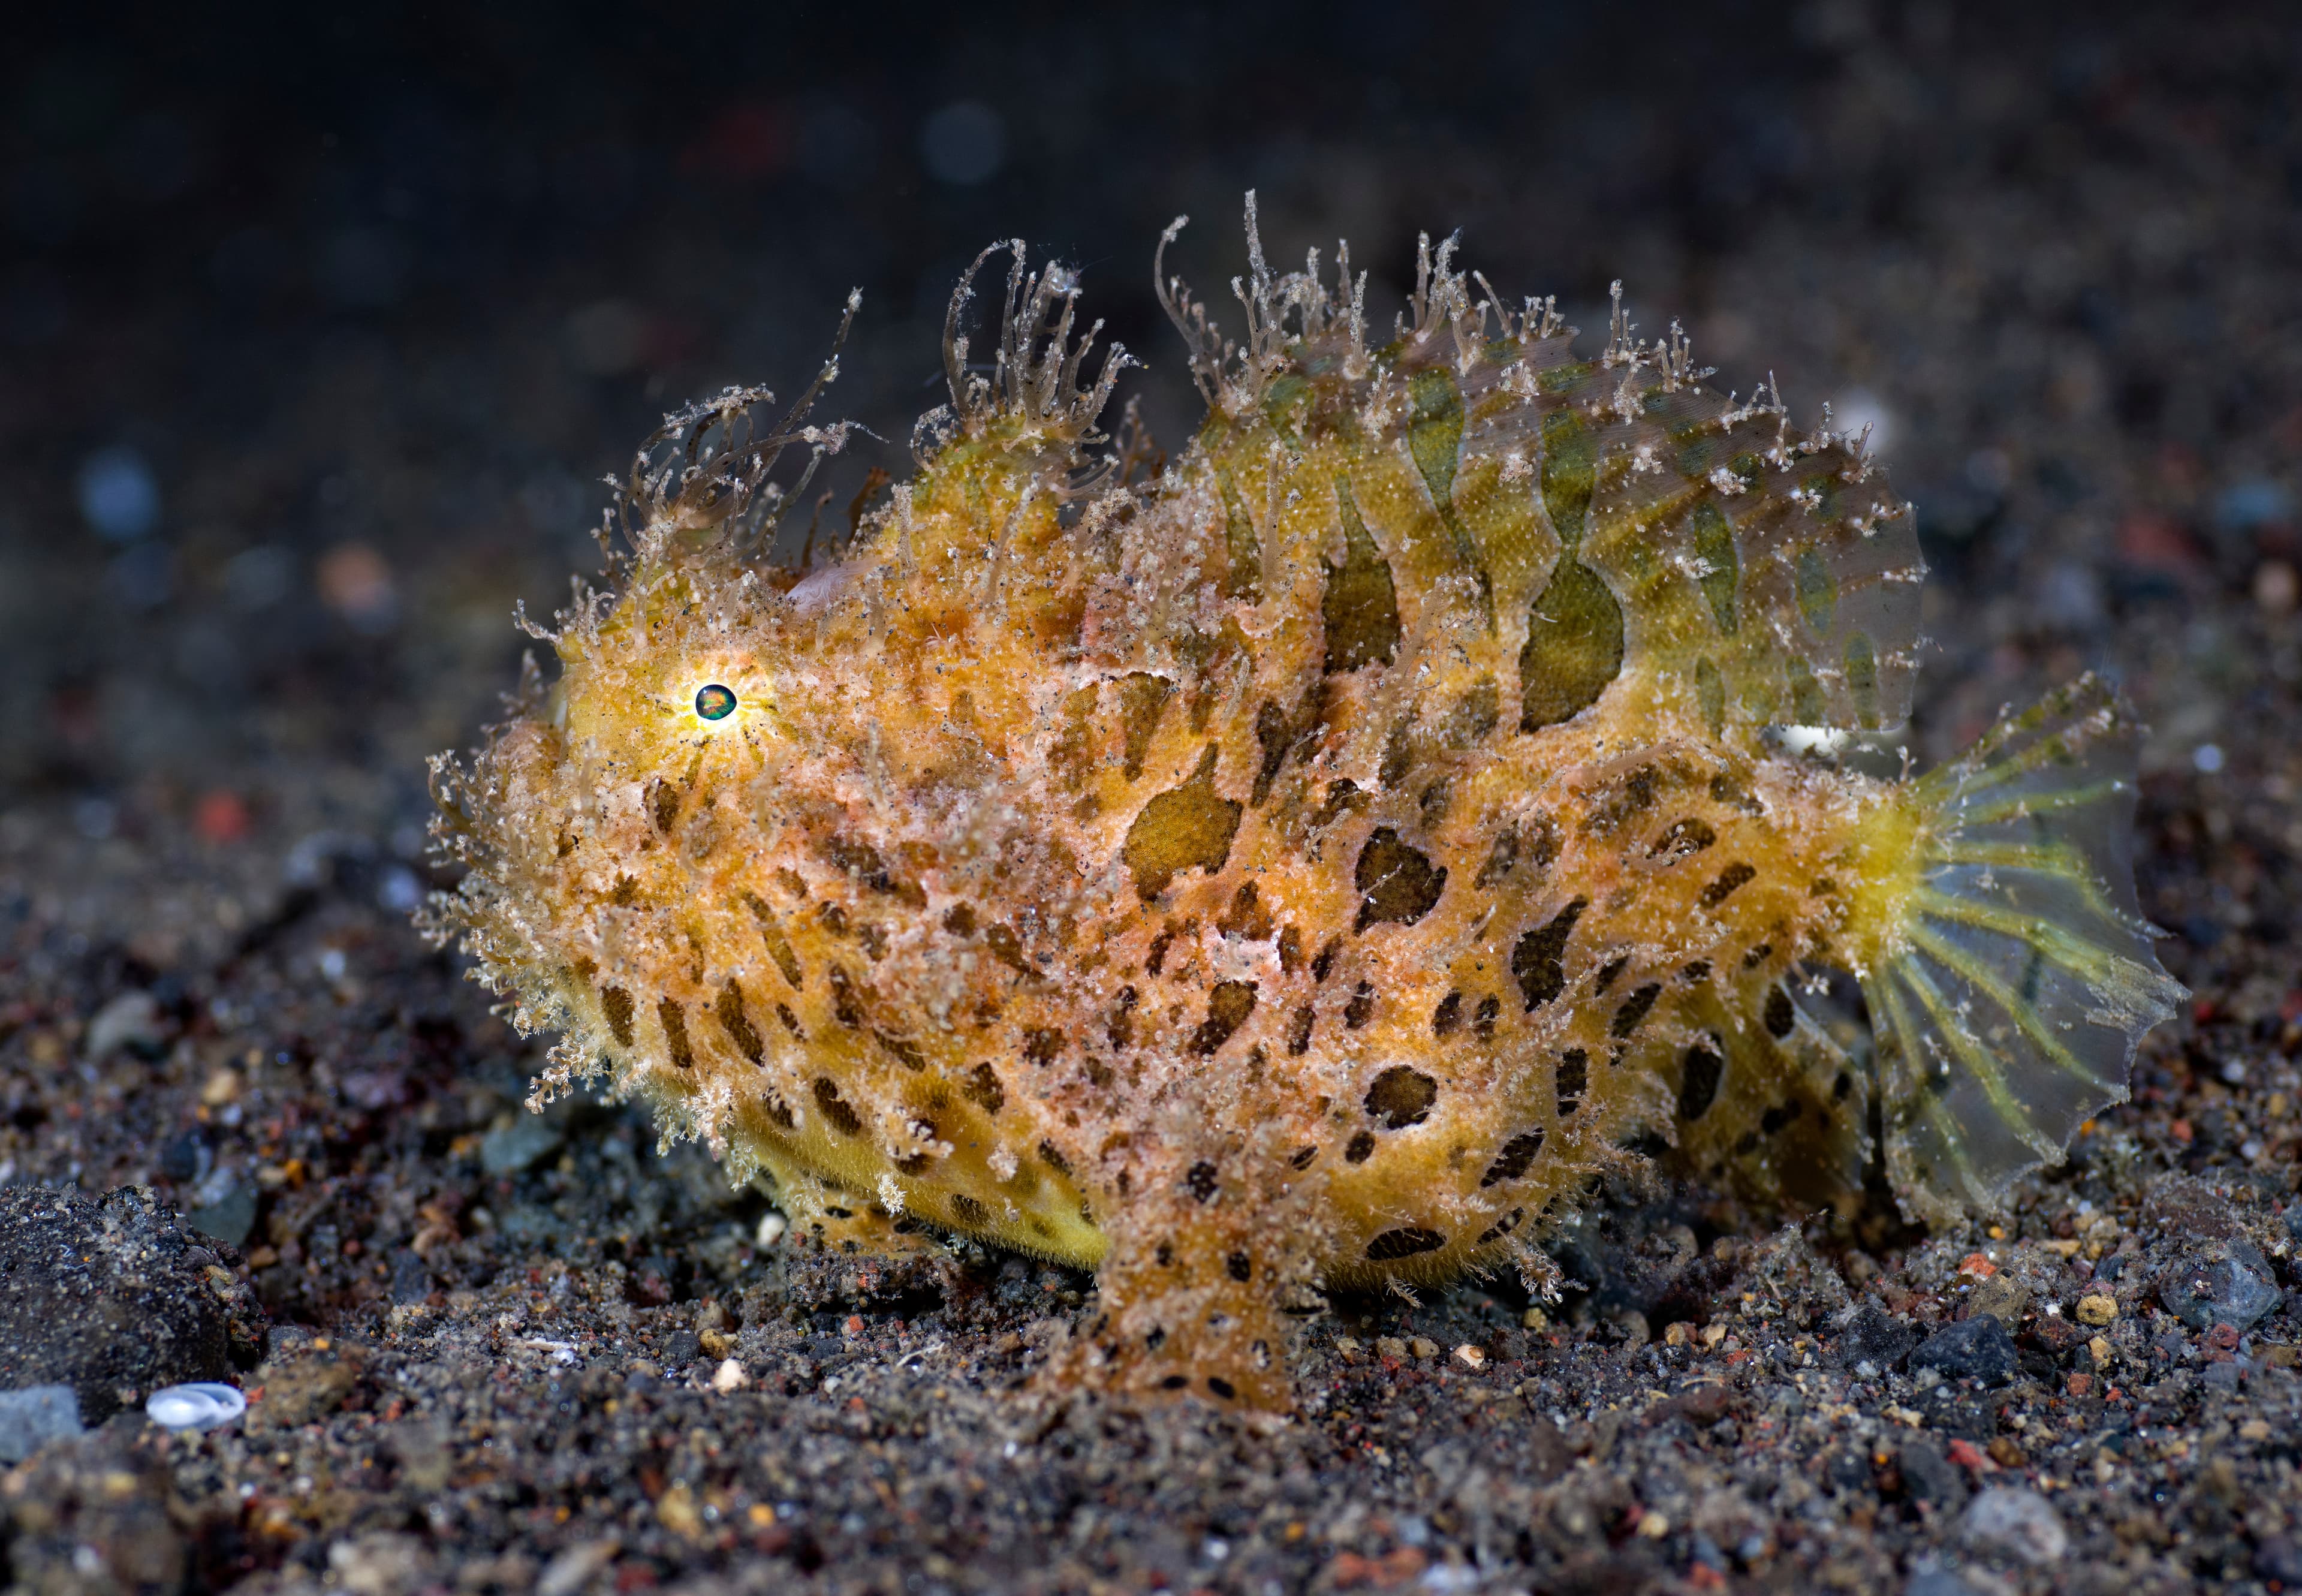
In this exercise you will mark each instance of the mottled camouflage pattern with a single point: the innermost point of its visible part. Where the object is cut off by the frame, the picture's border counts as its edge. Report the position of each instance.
(1310, 864)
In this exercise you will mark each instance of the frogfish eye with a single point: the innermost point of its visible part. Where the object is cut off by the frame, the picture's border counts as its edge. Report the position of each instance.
(715, 703)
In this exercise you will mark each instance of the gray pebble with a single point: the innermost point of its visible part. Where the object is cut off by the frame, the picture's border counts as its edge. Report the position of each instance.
(34, 1416)
(2018, 1522)
(511, 1148)
(1930, 1476)
(1975, 1348)
(2230, 1284)
(411, 1278)
(1867, 1333)
(229, 1219)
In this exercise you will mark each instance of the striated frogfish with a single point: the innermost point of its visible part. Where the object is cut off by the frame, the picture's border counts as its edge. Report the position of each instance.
(1306, 861)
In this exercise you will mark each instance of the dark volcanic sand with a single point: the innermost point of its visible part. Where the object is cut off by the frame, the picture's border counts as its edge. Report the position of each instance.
(366, 352)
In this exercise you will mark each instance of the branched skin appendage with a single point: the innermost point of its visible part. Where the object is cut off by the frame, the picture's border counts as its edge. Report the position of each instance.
(1310, 866)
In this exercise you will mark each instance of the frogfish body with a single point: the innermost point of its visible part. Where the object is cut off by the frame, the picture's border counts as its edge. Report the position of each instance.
(1307, 863)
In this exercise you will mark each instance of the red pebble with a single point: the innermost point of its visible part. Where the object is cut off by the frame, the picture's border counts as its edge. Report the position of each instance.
(220, 817)
(1968, 1455)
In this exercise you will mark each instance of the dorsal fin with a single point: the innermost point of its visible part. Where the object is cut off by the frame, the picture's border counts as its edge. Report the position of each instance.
(1766, 576)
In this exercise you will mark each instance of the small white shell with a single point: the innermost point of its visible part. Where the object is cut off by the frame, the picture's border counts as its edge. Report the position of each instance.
(201, 1406)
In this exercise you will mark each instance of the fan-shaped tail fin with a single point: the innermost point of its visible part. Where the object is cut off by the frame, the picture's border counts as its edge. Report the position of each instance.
(2012, 976)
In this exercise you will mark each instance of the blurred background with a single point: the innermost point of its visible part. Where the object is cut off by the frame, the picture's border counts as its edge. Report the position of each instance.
(318, 328)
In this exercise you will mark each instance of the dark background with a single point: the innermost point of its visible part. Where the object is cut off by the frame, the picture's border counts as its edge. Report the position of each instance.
(321, 325)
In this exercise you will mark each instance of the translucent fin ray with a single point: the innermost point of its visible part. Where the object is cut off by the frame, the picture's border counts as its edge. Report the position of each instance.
(2018, 977)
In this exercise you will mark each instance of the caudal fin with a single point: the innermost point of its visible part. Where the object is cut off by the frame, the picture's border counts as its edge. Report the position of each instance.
(2016, 978)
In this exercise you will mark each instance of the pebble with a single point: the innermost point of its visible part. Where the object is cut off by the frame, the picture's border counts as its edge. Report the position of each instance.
(511, 1148)
(411, 1278)
(132, 1020)
(2098, 1309)
(1975, 1348)
(1938, 1581)
(202, 1405)
(2001, 1295)
(229, 1219)
(1868, 1334)
(34, 1416)
(1930, 1476)
(2018, 1521)
(573, 1569)
(2235, 1288)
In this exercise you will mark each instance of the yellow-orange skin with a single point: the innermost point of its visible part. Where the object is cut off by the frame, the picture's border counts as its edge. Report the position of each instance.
(930, 808)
